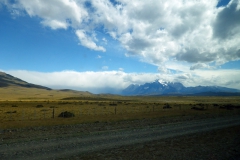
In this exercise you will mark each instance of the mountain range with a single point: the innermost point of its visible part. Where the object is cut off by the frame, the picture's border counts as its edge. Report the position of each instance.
(175, 88)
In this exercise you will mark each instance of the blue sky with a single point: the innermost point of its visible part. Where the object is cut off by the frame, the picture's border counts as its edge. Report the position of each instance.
(27, 45)
(104, 46)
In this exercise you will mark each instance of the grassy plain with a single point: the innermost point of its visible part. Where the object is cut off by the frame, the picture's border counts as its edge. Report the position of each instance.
(22, 107)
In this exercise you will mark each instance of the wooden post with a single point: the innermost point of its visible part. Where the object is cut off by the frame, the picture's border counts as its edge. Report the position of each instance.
(35, 115)
(115, 110)
(53, 113)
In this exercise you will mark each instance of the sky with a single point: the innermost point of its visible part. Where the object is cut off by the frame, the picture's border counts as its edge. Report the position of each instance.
(103, 46)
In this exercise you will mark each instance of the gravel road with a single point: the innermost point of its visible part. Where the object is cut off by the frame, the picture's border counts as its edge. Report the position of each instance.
(68, 146)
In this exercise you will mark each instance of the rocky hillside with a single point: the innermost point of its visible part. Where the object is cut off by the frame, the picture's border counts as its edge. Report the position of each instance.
(8, 80)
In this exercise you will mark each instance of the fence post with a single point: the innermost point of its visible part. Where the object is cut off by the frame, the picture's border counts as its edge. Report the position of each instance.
(115, 110)
(53, 113)
(35, 114)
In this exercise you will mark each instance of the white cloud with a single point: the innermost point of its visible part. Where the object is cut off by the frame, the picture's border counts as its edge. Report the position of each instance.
(70, 12)
(87, 41)
(115, 81)
(227, 78)
(104, 40)
(201, 66)
(55, 24)
(99, 57)
(163, 69)
(105, 68)
(121, 69)
(157, 31)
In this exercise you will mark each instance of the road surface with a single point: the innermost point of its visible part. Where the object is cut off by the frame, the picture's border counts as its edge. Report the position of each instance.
(68, 146)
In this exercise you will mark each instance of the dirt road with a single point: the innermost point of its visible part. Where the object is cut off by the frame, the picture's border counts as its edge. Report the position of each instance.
(65, 146)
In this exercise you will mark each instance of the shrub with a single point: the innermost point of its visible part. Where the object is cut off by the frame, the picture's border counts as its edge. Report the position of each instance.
(11, 112)
(227, 106)
(39, 106)
(237, 107)
(167, 106)
(66, 114)
(198, 108)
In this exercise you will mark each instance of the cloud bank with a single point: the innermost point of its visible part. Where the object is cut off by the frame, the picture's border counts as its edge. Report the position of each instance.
(156, 31)
(115, 81)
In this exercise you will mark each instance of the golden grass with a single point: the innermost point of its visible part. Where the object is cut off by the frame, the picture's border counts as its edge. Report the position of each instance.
(15, 114)
(15, 93)
(18, 107)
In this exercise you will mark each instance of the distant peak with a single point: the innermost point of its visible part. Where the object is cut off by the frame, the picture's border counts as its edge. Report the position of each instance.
(164, 83)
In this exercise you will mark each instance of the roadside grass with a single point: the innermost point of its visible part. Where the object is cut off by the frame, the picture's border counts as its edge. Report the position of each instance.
(18, 114)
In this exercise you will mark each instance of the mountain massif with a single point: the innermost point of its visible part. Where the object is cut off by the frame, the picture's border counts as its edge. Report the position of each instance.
(175, 88)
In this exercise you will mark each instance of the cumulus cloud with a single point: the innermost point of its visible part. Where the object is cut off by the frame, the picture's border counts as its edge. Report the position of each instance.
(227, 21)
(66, 12)
(163, 69)
(55, 24)
(201, 66)
(87, 41)
(158, 32)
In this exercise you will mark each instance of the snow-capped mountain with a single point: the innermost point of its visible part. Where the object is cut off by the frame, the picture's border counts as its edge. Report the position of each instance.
(159, 87)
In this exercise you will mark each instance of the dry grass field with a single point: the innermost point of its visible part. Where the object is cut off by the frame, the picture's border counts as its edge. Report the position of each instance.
(15, 93)
(28, 107)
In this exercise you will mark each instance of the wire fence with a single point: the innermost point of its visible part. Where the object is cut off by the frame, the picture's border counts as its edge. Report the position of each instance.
(39, 111)
(47, 110)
